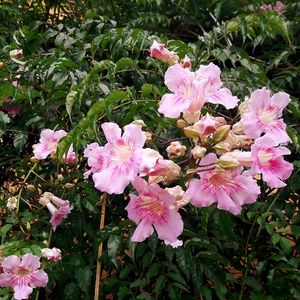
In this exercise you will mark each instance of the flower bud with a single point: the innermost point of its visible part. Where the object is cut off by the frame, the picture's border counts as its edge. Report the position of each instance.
(186, 62)
(12, 203)
(221, 134)
(139, 123)
(28, 226)
(179, 195)
(191, 117)
(191, 132)
(243, 107)
(69, 185)
(30, 188)
(175, 149)
(222, 148)
(227, 162)
(181, 123)
(148, 136)
(34, 160)
(2, 65)
(198, 152)
(60, 177)
(159, 51)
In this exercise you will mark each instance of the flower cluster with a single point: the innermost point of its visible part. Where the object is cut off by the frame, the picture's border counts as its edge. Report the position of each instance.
(278, 7)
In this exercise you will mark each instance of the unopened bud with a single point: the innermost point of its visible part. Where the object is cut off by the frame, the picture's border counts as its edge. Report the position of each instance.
(181, 123)
(222, 148)
(69, 185)
(175, 149)
(148, 136)
(139, 123)
(30, 188)
(229, 163)
(191, 132)
(2, 65)
(60, 177)
(221, 134)
(16, 53)
(190, 117)
(34, 160)
(198, 152)
(28, 226)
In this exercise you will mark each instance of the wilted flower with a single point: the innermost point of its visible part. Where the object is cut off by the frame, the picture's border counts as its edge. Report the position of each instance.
(53, 254)
(22, 274)
(175, 149)
(229, 189)
(153, 207)
(122, 156)
(17, 53)
(12, 203)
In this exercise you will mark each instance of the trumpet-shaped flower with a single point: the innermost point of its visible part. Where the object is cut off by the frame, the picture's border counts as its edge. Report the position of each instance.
(268, 160)
(230, 189)
(48, 143)
(53, 254)
(22, 275)
(263, 115)
(123, 156)
(211, 86)
(58, 208)
(185, 91)
(154, 207)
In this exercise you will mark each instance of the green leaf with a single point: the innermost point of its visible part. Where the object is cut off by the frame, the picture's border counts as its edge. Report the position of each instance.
(4, 118)
(113, 244)
(83, 276)
(159, 285)
(4, 230)
(20, 140)
(124, 63)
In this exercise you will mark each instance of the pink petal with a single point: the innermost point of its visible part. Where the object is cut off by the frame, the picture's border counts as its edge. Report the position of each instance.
(175, 76)
(112, 131)
(58, 135)
(30, 261)
(259, 98)
(224, 97)
(210, 72)
(140, 185)
(41, 151)
(46, 135)
(131, 209)
(10, 263)
(281, 100)
(142, 231)
(38, 279)
(7, 280)
(171, 229)
(134, 135)
(22, 292)
(225, 202)
(172, 105)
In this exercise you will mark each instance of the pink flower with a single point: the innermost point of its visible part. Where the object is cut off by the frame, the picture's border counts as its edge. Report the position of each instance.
(268, 160)
(22, 275)
(160, 52)
(48, 143)
(123, 156)
(70, 157)
(279, 7)
(229, 189)
(58, 208)
(150, 159)
(179, 195)
(97, 158)
(263, 115)
(265, 7)
(175, 149)
(53, 254)
(211, 85)
(209, 124)
(153, 207)
(185, 91)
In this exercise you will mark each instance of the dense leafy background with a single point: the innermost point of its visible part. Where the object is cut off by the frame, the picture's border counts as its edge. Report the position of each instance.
(87, 62)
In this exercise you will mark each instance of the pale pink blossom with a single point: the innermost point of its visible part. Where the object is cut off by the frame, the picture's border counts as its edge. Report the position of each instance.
(198, 152)
(22, 274)
(150, 158)
(265, 7)
(58, 208)
(123, 156)
(185, 91)
(268, 160)
(17, 53)
(179, 195)
(279, 7)
(230, 189)
(153, 207)
(175, 149)
(160, 52)
(211, 86)
(263, 115)
(97, 158)
(53, 254)
(209, 124)
(186, 62)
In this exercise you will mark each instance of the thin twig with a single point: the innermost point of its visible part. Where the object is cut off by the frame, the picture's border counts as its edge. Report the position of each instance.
(100, 250)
